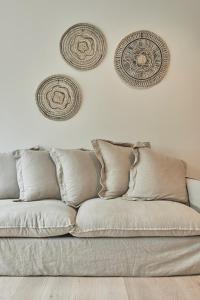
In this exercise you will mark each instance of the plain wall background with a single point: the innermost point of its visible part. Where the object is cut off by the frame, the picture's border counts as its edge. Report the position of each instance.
(167, 115)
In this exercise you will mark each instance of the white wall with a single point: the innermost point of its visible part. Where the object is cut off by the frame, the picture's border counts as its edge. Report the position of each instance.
(168, 114)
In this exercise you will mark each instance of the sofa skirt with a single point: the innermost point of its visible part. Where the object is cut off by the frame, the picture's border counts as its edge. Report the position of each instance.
(70, 256)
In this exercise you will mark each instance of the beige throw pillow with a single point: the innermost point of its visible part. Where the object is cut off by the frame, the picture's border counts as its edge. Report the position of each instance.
(116, 160)
(36, 174)
(78, 173)
(157, 177)
(8, 177)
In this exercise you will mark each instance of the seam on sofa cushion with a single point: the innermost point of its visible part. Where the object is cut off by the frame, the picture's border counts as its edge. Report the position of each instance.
(134, 229)
(28, 227)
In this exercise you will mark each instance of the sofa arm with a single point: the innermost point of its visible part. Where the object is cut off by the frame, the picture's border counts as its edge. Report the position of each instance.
(193, 187)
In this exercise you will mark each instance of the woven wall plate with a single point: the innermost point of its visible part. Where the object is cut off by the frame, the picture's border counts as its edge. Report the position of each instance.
(142, 59)
(83, 46)
(58, 97)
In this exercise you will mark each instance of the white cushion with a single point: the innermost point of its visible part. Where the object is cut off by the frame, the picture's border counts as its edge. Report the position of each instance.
(78, 173)
(157, 177)
(36, 174)
(122, 218)
(8, 177)
(193, 187)
(116, 160)
(35, 219)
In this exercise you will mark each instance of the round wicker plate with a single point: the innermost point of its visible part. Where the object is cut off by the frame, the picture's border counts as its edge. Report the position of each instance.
(58, 97)
(83, 46)
(142, 59)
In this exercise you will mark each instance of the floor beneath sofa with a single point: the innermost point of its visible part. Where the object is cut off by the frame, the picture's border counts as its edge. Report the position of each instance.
(104, 288)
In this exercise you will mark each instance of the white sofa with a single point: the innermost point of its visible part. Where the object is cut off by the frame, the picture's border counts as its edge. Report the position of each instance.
(100, 237)
(51, 248)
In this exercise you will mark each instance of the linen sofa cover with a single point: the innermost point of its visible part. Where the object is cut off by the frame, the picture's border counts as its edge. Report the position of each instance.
(122, 218)
(35, 219)
(69, 256)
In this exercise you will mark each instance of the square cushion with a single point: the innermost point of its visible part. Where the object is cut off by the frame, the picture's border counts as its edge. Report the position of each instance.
(121, 218)
(78, 173)
(157, 177)
(35, 219)
(116, 160)
(193, 188)
(8, 176)
(36, 174)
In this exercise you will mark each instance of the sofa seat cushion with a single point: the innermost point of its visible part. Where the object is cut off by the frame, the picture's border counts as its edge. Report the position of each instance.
(35, 219)
(122, 218)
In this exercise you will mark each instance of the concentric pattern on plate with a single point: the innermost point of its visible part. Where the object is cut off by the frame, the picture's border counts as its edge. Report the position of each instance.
(83, 46)
(142, 59)
(58, 97)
